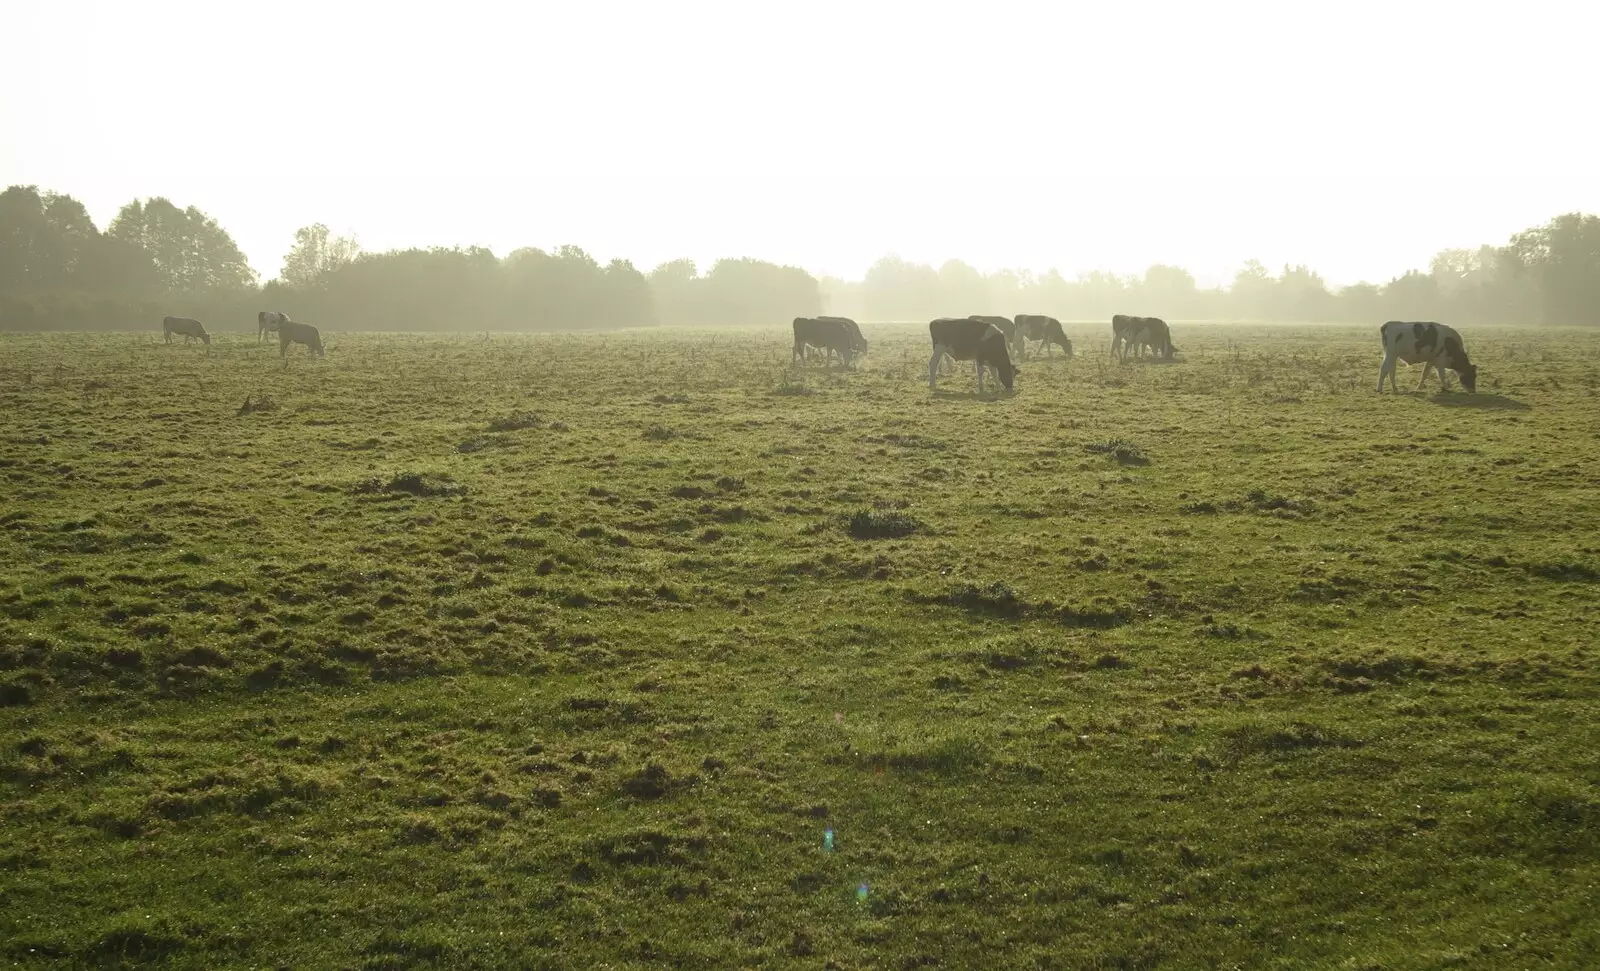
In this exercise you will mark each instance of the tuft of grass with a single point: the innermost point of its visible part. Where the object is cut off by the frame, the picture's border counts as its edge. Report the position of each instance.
(516, 421)
(877, 524)
(1121, 450)
(419, 484)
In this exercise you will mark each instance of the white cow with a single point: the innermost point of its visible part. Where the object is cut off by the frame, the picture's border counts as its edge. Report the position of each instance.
(1429, 344)
(267, 322)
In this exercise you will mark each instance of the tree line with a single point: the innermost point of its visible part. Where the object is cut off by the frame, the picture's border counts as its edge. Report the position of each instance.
(58, 271)
(1549, 274)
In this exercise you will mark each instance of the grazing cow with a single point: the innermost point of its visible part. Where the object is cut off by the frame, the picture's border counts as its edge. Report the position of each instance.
(1046, 330)
(858, 343)
(1007, 327)
(1121, 328)
(1137, 333)
(187, 326)
(293, 332)
(829, 335)
(267, 322)
(980, 342)
(1427, 343)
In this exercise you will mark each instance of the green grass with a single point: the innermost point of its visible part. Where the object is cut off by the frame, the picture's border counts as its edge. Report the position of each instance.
(565, 651)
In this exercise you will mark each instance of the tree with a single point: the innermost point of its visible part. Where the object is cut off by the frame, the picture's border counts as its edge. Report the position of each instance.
(674, 287)
(1102, 294)
(1168, 290)
(961, 288)
(894, 289)
(1360, 301)
(315, 253)
(48, 244)
(627, 296)
(1564, 255)
(1301, 294)
(750, 291)
(1252, 290)
(191, 252)
(22, 228)
(841, 297)
(1413, 296)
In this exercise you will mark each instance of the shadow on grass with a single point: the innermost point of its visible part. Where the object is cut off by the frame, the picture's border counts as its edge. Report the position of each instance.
(1482, 402)
(987, 395)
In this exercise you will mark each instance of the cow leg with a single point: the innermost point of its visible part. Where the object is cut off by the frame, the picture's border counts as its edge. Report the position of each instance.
(933, 366)
(1386, 371)
(1425, 366)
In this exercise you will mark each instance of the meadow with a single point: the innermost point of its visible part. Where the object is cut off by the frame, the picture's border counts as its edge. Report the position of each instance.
(650, 649)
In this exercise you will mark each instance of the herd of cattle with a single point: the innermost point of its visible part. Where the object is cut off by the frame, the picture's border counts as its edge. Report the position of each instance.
(988, 342)
(267, 322)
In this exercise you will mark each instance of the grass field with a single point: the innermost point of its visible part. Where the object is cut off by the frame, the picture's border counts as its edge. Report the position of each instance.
(568, 652)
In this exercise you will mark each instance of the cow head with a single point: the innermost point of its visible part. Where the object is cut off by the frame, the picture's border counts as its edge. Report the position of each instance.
(996, 354)
(1468, 373)
(205, 339)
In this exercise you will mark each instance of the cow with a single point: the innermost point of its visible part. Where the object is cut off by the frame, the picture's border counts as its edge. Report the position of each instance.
(293, 332)
(1433, 345)
(829, 335)
(1007, 327)
(1046, 330)
(858, 343)
(187, 326)
(267, 322)
(1137, 333)
(1121, 328)
(980, 342)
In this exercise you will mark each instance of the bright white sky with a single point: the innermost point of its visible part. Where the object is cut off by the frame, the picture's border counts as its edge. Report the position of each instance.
(1356, 137)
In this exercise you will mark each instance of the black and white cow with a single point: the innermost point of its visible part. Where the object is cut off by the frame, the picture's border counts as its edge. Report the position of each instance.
(187, 326)
(829, 335)
(267, 322)
(1007, 327)
(980, 342)
(294, 332)
(1138, 333)
(1429, 344)
(858, 343)
(1046, 330)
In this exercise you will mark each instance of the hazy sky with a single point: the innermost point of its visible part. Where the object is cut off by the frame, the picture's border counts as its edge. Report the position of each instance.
(1356, 137)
